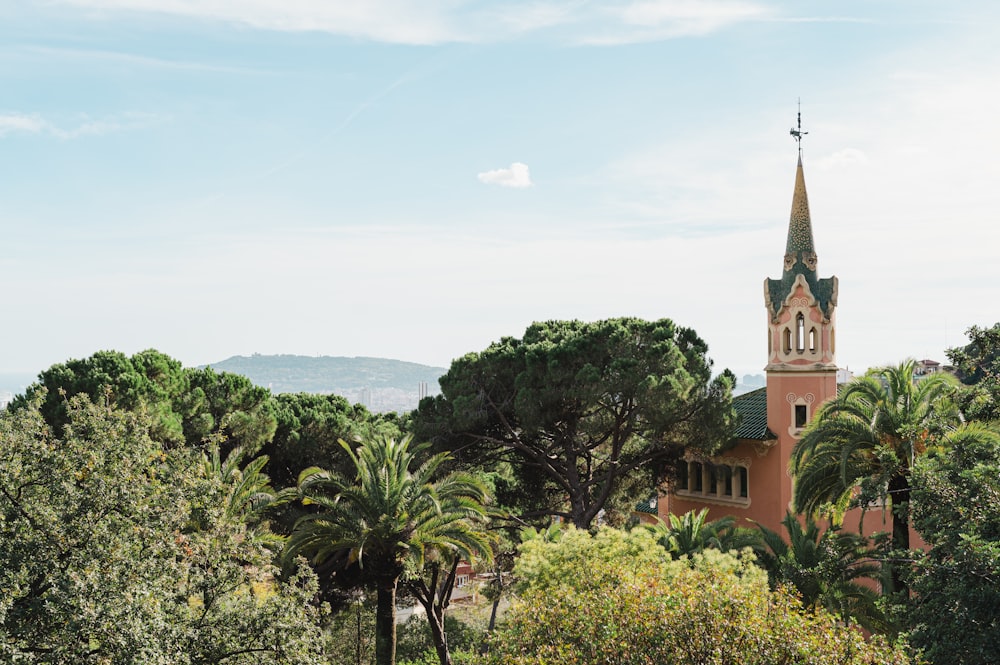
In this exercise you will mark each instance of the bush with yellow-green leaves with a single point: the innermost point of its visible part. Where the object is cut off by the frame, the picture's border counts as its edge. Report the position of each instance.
(617, 597)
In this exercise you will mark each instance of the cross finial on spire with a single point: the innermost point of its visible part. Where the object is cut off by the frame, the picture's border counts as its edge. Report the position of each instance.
(797, 132)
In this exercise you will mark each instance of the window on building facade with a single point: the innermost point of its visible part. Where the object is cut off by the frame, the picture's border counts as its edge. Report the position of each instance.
(801, 415)
(800, 333)
(722, 482)
(682, 475)
(726, 479)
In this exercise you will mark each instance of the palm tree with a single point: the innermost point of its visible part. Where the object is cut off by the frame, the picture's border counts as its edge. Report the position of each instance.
(249, 488)
(824, 568)
(689, 534)
(387, 518)
(248, 492)
(861, 445)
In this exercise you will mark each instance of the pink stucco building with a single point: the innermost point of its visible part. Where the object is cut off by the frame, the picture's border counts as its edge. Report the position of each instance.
(751, 480)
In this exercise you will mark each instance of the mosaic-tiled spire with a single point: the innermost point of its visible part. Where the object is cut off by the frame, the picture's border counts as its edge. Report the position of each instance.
(800, 255)
(800, 235)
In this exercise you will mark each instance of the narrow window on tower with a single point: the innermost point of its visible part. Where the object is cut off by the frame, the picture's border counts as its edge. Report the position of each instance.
(800, 416)
(800, 333)
(787, 341)
(812, 340)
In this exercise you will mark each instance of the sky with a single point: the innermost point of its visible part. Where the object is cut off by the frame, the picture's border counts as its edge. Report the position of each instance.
(417, 179)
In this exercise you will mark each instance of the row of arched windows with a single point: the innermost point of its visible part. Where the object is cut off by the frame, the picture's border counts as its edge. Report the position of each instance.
(802, 341)
(723, 481)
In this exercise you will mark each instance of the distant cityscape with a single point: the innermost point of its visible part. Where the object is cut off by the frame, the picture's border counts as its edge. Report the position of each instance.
(383, 400)
(379, 384)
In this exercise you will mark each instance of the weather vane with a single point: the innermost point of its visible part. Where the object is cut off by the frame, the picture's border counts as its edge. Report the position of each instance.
(797, 132)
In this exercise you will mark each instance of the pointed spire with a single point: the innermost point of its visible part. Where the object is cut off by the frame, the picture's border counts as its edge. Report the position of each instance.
(800, 252)
(800, 236)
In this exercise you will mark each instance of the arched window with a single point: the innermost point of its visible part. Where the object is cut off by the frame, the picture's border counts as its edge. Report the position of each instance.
(812, 340)
(727, 480)
(787, 341)
(800, 333)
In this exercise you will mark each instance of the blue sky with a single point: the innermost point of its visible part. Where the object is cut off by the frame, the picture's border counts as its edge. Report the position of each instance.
(417, 179)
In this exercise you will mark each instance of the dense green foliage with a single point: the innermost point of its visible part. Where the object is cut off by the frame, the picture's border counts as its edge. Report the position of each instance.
(581, 417)
(389, 517)
(825, 567)
(309, 430)
(137, 520)
(115, 549)
(618, 597)
(416, 643)
(978, 366)
(196, 406)
(860, 447)
(185, 406)
(690, 533)
(887, 436)
(956, 583)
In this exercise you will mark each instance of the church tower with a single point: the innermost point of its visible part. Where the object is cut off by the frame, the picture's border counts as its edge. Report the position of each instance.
(801, 331)
(749, 480)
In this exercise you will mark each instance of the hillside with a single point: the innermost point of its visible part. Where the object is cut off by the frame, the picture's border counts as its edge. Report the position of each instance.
(379, 383)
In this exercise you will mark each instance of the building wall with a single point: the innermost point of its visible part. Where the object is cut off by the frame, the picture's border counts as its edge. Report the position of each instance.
(763, 504)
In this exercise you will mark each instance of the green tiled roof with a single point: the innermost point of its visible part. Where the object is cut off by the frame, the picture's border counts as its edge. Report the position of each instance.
(647, 506)
(751, 408)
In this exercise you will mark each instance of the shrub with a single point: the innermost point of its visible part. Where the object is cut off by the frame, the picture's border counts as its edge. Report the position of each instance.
(612, 598)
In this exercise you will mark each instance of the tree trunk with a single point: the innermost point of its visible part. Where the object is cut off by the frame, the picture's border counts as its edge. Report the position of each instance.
(899, 493)
(359, 633)
(435, 618)
(385, 624)
(435, 598)
(493, 615)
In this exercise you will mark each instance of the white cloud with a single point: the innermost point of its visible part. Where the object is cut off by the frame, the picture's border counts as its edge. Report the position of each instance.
(17, 122)
(515, 176)
(442, 21)
(394, 21)
(11, 123)
(688, 16)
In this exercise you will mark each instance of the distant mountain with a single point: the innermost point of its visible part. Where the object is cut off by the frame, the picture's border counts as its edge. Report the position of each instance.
(380, 384)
